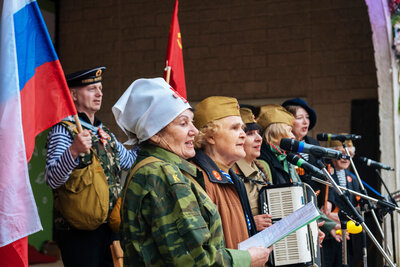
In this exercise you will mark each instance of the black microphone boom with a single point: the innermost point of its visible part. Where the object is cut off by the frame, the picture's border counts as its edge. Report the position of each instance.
(339, 137)
(296, 160)
(375, 164)
(317, 151)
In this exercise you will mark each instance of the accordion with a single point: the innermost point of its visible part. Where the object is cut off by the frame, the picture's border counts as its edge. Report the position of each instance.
(300, 248)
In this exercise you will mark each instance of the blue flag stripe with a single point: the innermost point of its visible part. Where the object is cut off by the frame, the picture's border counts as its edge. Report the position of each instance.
(33, 43)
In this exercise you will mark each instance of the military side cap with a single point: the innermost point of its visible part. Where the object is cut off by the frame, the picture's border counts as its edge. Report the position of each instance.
(336, 143)
(85, 77)
(215, 108)
(249, 120)
(247, 115)
(274, 114)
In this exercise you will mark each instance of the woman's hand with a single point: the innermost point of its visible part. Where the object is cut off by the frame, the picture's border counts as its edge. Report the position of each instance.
(259, 255)
(338, 236)
(321, 234)
(263, 221)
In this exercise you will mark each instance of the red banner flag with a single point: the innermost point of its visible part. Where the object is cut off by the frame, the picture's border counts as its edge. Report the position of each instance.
(174, 73)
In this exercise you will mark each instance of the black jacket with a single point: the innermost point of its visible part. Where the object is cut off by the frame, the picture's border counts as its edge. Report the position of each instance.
(279, 175)
(351, 183)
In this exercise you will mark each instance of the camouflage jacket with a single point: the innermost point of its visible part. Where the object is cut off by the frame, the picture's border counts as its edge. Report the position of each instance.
(109, 159)
(168, 219)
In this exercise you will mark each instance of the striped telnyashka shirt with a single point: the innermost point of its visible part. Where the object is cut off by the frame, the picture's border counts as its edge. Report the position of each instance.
(60, 163)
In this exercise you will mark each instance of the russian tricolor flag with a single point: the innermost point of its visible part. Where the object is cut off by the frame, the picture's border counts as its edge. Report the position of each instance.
(33, 96)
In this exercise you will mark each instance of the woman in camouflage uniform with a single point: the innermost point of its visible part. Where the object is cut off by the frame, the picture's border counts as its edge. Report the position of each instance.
(167, 218)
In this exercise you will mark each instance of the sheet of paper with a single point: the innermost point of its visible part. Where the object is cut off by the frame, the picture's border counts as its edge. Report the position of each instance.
(282, 228)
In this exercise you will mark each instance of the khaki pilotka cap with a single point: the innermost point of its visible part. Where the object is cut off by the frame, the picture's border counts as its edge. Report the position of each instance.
(215, 108)
(274, 114)
(337, 143)
(247, 115)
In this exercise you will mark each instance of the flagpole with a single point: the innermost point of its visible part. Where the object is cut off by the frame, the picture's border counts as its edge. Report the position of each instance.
(79, 127)
(168, 74)
(78, 123)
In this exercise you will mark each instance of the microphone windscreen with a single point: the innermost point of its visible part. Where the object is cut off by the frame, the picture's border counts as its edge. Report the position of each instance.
(322, 137)
(363, 159)
(289, 144)
(291, 157)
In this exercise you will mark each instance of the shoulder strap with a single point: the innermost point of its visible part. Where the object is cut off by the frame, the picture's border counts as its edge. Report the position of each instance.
(71, 127)
(140, 164)
(196, 184)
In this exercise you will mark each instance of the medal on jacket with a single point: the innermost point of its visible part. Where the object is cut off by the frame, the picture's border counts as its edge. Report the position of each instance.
(104, 137)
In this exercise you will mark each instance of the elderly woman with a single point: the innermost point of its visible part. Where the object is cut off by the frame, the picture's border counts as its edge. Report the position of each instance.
(220, 144)
(277, 124)
(253, 173)
(305, 119)
(167, 218)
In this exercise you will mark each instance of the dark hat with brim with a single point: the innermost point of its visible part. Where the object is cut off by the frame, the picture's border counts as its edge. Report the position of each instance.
(300, 102)
(85, 77)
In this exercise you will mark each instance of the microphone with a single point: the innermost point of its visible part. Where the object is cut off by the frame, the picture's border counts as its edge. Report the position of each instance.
(339, 137)
(375, 164)
(299, 162)
(317, 151)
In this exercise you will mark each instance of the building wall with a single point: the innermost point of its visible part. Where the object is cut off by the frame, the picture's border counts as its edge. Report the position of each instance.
(388, 96)
(254, 49)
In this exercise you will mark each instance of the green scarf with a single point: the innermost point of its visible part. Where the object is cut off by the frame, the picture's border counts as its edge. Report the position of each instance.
(281, 156)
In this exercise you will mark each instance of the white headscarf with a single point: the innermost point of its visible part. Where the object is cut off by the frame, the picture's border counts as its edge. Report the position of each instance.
(146, 107)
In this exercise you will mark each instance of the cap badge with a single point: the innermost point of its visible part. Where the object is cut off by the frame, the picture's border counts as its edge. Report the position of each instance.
(98, 72)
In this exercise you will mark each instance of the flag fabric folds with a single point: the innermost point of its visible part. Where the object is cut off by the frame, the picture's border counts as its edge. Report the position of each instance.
(33, 96)
(174, 58)
(15, 254)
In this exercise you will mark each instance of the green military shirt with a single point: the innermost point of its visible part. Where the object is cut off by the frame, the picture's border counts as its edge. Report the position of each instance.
(168, 219)
(253, 181)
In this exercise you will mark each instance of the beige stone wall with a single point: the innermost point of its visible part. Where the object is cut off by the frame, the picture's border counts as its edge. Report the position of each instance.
(320, 50)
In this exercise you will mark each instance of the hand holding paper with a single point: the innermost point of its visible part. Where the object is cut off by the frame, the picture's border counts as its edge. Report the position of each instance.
(282, 228)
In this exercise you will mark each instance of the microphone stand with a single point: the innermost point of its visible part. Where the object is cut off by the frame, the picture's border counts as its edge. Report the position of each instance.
(385, 205)
(343, 227)
(370, 206)
(382, 203)
(391, 213)
(385, 243)
(350, 210)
